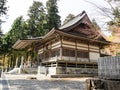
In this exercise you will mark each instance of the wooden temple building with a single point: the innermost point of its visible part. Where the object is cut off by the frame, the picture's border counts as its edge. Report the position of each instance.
(72, 49)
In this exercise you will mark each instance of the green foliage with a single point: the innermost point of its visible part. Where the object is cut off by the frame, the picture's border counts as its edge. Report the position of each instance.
(3, 10)
(114, 25)
(1, 35)
(37, 25)
(3, 7)
(53, 19)
(3, 49)
(118, 53)
(116, 20)
(17, 31)
(116, 12)
(37, 20)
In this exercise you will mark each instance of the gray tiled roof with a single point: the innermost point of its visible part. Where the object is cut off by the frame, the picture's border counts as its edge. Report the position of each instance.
(73, 21)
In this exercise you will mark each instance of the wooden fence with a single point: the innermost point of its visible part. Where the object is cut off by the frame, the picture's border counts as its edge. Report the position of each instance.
(109, 67)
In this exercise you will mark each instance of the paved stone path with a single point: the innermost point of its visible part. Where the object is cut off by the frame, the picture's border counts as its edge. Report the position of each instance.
(21, 82)
(4, 83)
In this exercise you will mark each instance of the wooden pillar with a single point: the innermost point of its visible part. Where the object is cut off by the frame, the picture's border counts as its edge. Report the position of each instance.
(76, 50)
(11, 61)
(43, 53)
(56, 64)
(50, 52)
(85, 65)
(51, 64)
(89, 50)
(76, 64)
(66, 68)
(8, 63)
(38, 60)
(61, 40)
(99, 50)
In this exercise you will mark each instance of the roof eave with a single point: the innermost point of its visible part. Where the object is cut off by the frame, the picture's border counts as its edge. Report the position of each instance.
(23, 43)
(93, 40)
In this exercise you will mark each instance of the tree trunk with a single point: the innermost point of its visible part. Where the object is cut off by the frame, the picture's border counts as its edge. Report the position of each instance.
(3, 61)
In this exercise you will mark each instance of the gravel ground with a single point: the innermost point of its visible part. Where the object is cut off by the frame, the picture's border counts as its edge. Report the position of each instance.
(0, 84)
(22, 82)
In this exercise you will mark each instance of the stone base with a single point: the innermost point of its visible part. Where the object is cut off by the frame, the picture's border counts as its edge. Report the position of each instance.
(29, 71)
(71, 75)
(64, 72)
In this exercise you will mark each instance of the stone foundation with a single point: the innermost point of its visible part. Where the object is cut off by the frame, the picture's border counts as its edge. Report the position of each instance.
(69, 71)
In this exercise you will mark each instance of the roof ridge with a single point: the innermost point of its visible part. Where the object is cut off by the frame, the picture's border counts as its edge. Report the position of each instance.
(83, 12)
(73, 20)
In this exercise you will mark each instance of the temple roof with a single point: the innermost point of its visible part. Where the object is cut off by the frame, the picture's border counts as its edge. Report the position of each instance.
(53, 31)
(73, 21)
(22, 43)
(79, 27)
(83, 27)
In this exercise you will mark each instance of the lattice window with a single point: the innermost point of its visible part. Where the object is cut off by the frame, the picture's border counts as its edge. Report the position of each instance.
(72, 53)
(55, 52)
(65, 52)
(83, 54)
(68, 52)
(47, 54)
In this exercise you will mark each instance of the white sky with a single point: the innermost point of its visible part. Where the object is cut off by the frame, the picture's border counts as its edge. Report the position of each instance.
(20, 7)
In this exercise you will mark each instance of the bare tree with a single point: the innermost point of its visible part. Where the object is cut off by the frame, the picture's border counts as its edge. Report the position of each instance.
(112, 12)
(105, 11)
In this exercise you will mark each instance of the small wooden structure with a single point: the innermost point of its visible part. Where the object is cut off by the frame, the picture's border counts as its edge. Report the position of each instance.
(73, 48)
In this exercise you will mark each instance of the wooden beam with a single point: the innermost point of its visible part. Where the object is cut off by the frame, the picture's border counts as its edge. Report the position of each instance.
(61, 48)
(89, 51)
(99, 49)
(76, 50)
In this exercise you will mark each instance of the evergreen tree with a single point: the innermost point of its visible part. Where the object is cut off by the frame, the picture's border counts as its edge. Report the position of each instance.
(3, 11)
(11, 37)
(37, 19)
(3, 7)
(17, 31)
(53, 19)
